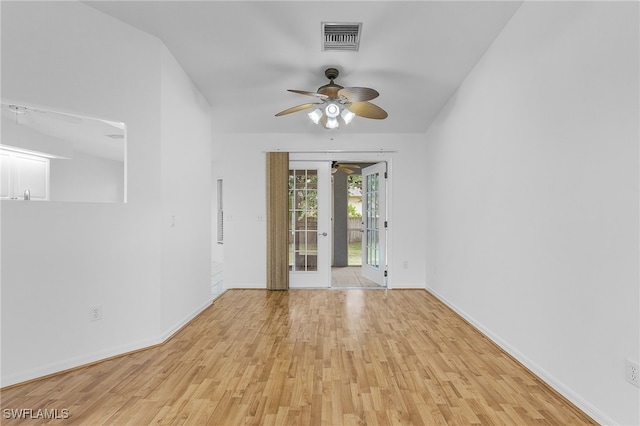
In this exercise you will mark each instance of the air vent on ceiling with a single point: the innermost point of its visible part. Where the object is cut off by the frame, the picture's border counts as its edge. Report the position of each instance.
(343, 36)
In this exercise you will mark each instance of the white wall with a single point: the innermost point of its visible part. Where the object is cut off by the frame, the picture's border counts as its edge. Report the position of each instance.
(532, 195)
(87, 178)
(241, 160)
(61, 258)
(186, 203)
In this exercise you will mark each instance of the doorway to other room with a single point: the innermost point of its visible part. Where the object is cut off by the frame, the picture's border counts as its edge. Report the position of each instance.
(359, 218)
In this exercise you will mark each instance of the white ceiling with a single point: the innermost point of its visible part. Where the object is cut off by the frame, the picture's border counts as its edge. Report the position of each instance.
(87, 135)
(244, 55)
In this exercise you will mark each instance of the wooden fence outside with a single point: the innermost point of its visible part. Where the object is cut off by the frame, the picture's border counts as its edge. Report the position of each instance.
(354, 229)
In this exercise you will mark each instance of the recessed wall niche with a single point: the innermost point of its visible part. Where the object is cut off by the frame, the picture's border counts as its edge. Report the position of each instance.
(49, 155)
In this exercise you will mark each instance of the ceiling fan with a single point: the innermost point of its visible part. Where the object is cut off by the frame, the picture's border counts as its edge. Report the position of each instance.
(345, 168)
(338, 101)
(18, 110)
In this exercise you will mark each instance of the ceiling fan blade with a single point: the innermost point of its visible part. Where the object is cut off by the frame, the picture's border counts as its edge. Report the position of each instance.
(358, 94)
(350, 166)
(296, 109)
(345, 170)
(367, 110)
(304, 92)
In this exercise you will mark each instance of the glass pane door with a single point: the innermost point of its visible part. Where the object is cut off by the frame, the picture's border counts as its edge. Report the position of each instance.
(303, 220)
(309, 218)
(373, 223)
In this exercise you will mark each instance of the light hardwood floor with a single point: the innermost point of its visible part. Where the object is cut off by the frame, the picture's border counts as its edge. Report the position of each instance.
(307, 357)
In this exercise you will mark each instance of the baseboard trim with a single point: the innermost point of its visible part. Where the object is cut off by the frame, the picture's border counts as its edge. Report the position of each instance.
(54, 369)
(555, 384)
(94, 358)
(167, 335)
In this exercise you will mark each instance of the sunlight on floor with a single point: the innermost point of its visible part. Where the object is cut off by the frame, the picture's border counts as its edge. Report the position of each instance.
(350, 276)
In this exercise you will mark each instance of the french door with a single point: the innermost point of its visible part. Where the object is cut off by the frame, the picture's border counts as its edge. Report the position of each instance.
(374, 223)
(309, 224)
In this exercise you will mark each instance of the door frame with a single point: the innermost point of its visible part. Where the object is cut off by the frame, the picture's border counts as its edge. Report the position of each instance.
(361, 157)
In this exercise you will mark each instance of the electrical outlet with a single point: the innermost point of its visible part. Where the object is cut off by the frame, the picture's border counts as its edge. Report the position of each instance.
(95, 313)
(405, 264)
(633, 373)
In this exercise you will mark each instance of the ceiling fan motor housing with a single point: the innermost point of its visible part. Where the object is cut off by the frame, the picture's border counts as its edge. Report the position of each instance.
(330, 89)
(331, 73)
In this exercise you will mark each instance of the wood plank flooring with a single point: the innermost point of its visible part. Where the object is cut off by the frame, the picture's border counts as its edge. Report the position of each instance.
(306, 357)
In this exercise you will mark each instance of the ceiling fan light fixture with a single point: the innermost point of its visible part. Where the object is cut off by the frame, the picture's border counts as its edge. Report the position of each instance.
(330, 113)
(332, 110)
(315, 115)
(332, 123)
(347, 116)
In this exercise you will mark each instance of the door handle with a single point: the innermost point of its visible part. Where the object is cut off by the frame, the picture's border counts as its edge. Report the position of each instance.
(324, 234)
